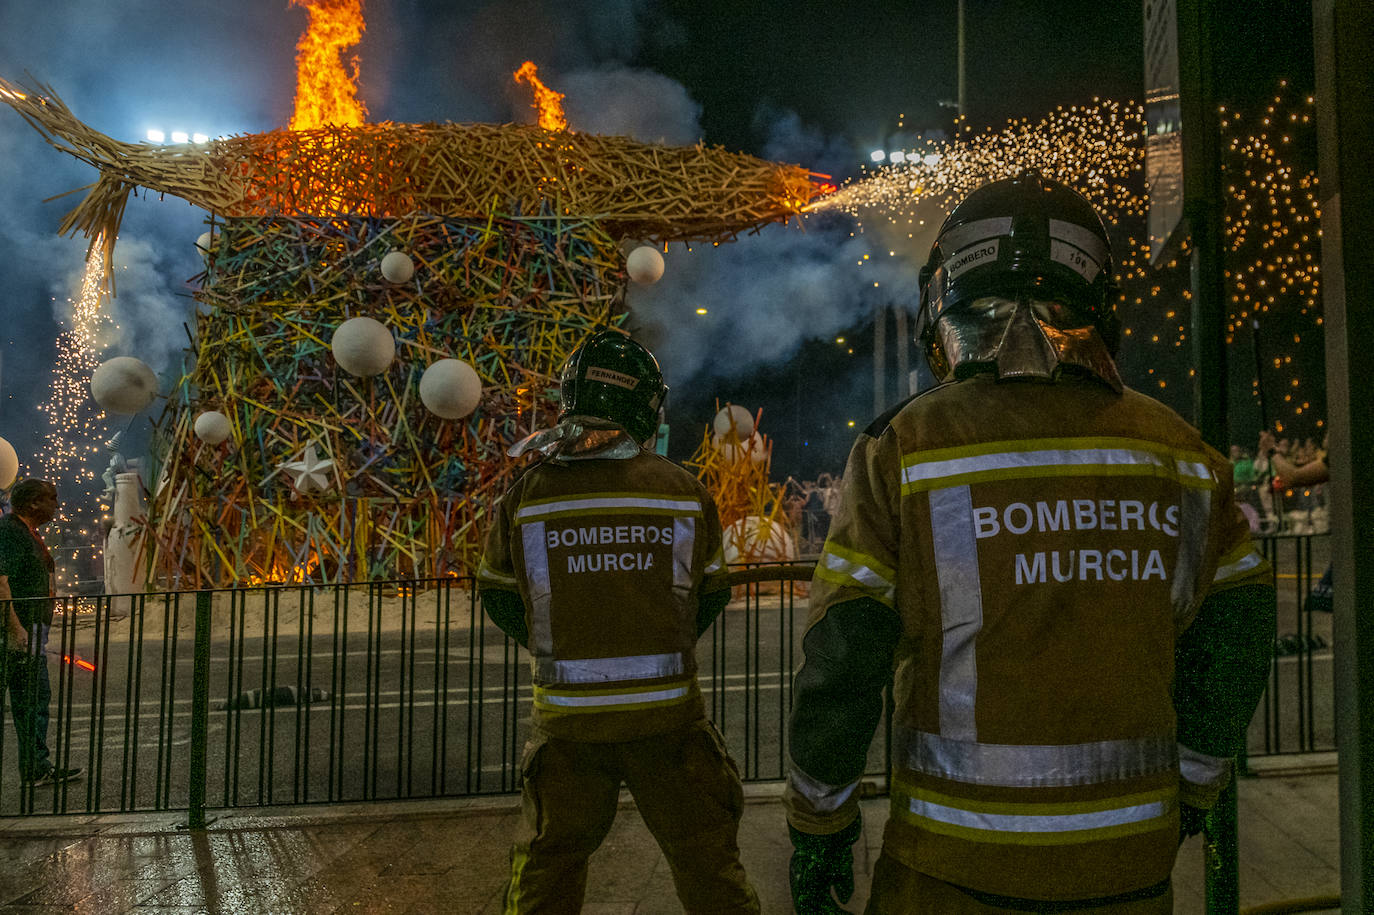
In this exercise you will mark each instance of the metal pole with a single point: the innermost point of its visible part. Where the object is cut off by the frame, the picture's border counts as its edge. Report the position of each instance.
(1203, 209)
(200, 712)
(960, 65)
(903, 353)
(879, 359)
(1343, 32)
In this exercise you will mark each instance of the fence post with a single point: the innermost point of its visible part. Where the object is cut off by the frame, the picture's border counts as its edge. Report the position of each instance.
(200, 712)
(1221, 855)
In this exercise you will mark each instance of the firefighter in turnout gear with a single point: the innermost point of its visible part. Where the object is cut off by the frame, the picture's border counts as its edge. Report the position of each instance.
(1054, 572)
(606, 562)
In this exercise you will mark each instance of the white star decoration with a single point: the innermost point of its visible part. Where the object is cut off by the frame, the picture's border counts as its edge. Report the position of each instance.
(309, 472)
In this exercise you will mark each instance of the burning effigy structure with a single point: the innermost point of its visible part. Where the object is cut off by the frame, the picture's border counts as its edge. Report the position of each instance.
(501, 246)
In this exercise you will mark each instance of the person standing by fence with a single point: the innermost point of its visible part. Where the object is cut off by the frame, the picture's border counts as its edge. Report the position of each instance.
(605, 560)
(26, 567)
(1056, 570)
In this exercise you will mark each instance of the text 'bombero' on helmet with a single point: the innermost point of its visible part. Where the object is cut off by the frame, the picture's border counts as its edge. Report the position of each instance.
(1019, 282)
(615, 378)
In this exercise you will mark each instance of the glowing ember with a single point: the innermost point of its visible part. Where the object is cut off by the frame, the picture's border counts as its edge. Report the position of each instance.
(326, 90)
(547, 102)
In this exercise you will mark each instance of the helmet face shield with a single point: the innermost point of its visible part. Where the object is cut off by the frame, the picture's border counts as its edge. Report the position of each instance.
(1020, 338)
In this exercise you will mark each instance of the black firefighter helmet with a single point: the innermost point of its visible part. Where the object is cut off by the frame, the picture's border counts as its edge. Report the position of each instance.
(615, 378)
(1027, 239)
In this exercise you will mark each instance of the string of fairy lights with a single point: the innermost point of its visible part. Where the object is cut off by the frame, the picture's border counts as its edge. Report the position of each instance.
(1271, 225)
(70, 448)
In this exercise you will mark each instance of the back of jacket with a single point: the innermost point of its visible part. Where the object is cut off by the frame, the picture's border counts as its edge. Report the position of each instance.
(1044, 545)
(609, 558)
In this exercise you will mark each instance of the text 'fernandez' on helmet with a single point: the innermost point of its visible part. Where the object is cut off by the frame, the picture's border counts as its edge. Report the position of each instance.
(614, 377)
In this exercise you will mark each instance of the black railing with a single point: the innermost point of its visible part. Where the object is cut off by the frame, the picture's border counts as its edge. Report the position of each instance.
(1297, 714)
(301, 694)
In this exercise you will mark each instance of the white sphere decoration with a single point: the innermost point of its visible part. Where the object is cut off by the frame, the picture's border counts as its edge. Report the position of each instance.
(206, 243)
(743, 422)
(9, 464)
(363, 347)
(645, 265)
(450, 389)
(755, 539)
(397, 267)
(123, 385)
(212, 427)
(733, 450)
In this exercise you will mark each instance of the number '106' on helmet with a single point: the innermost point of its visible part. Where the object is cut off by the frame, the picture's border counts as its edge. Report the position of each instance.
(613, 377)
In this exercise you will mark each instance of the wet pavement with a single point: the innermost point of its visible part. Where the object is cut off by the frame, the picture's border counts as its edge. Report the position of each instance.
(450, 856)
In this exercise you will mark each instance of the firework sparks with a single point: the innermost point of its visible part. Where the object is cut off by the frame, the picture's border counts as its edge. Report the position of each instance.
(1097, 149)
(72, 443)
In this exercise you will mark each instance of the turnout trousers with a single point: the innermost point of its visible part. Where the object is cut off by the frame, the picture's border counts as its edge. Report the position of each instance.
(686, 788)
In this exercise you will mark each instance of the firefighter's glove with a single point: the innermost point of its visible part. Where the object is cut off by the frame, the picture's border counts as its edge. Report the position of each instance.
(821, 864)
(1190, 821)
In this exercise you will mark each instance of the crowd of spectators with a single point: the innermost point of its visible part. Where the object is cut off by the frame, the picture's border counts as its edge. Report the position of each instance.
(1281, 484)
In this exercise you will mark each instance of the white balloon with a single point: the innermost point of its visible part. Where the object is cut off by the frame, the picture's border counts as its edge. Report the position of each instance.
(645, 265)
(363, 347)
(732, 450)
(743, 421)
(755, 539)
(212, 427)
(397, 267)
(123, 385)
(9, 464)
(450, 389)
(206, 243)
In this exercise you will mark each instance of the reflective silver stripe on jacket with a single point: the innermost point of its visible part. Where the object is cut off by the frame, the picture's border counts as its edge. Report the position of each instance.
(924, 474)
(1201, 769)
(1195, 518)
(1036, 766)
(853, 569)
(1235, 569)
(961, 608)
(716, 564)
(594, 701)
(684, 539)
(541, 592)
(604, 670)
(487, 573)
(601, 504)
(1020, 826)
(823, 798)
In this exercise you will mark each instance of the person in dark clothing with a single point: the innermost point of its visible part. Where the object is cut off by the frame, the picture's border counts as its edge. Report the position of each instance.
(27, 586)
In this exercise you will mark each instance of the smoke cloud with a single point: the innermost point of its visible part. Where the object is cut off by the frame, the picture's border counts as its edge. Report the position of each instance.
(764, 296)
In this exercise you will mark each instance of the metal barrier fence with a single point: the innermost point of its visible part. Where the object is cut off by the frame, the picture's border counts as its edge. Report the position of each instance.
(1297, 713)
(300, 694)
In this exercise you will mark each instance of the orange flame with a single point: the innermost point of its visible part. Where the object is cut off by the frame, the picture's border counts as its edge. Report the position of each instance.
(326, 90)
(281, 574)
(548, 102)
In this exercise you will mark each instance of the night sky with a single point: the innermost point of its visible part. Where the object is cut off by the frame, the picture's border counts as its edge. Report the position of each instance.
(796, 81)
